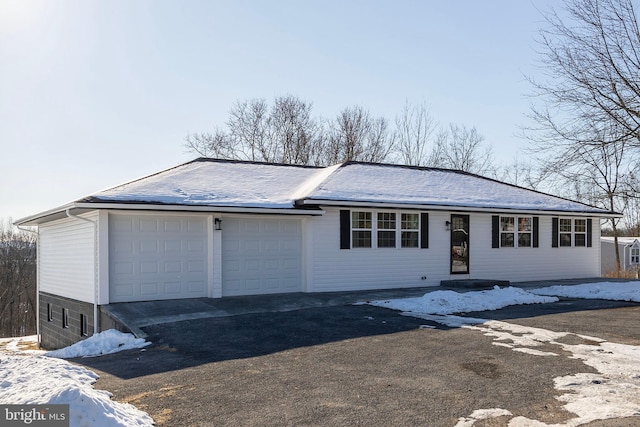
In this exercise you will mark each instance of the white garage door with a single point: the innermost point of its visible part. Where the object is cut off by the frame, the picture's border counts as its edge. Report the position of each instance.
(155, 257)
(261, 256)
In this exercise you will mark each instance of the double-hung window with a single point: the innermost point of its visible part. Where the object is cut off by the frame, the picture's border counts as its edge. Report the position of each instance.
(565, 230)
(516, 231)
(361, 229)
(386, 229)
(525, 229)
(410, 226)
(580, 232)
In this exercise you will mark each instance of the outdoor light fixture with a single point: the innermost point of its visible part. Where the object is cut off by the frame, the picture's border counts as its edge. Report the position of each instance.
(448, 224)
(217, 223)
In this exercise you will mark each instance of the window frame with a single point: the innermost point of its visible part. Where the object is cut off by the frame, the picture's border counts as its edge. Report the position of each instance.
(362, 229)
(404, 230)
(84, 330)
(515, 231)
(398, 230)
(65, 318)
(579, 233)
(575, 231)
(393, 230)
(634, 255)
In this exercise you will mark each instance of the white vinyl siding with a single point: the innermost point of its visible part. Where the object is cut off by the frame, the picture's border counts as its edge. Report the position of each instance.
(67, 259)
(542, 263)
(333, 269)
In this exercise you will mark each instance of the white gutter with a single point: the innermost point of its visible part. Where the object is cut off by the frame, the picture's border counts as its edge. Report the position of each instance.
(427, 207)
(192, 208)
(96, 278)
(37, 233)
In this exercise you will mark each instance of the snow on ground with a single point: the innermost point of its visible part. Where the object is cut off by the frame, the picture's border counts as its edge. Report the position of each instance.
(24, 345)
(612, 392)
(448, 302)
(30, 379)
(106, 342)
(616, 291)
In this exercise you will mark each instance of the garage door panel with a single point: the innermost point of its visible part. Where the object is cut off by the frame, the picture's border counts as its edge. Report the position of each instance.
(269, 259)
(160, 257)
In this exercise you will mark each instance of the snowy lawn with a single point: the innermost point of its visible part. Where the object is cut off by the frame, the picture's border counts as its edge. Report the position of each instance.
(33, 378)
(615, 291)
(612, 392)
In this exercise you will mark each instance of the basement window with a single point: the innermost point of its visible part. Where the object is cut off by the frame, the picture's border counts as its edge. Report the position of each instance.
(65, 318)
(83, 326)
(49, 312)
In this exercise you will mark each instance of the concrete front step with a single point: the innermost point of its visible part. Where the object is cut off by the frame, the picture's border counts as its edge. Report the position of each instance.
(473, 283)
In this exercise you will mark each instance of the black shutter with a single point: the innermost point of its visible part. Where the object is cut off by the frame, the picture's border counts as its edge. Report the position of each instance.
(345, 229)
(536, 224)
(589, 232)
(554, 232)
(495, 231)
(424, 230)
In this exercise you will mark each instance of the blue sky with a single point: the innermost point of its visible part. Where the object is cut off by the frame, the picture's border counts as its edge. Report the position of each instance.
(95, 93)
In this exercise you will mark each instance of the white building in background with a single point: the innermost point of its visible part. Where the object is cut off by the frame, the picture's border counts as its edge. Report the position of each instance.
(629, 248)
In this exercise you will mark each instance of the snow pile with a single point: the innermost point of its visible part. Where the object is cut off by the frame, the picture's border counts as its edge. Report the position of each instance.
(107, 342)
(448, 302)
(32, 380)
(616, 291)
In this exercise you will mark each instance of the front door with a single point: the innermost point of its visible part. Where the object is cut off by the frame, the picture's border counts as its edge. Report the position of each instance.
(459, 244)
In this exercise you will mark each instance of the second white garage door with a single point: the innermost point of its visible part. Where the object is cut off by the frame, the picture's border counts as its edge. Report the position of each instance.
(261, 256)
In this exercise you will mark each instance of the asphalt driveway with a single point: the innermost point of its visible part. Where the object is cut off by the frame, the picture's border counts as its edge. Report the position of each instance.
(352, 365)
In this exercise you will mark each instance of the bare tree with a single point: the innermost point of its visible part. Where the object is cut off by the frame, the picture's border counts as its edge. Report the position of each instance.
(417, 133)
(591, 65)
(217, 144)
(588, 117)
(282, 133)
(293, 131)
(17, 281)
(598, 172)
(355, 135)
(524, 173)
(463, 149)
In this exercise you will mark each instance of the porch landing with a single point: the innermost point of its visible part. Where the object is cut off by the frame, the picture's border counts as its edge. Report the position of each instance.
(473, 283)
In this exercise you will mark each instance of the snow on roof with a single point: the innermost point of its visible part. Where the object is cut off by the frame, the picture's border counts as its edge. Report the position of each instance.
(207, 182)
(377, 183)
(211, 183)
(621, 240)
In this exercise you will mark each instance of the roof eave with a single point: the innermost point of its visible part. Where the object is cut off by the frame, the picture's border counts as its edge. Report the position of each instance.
(60, 212)
(456, 208)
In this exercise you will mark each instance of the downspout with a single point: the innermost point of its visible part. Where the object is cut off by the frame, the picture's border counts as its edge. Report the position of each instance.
(95, 267)
(37, 233)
